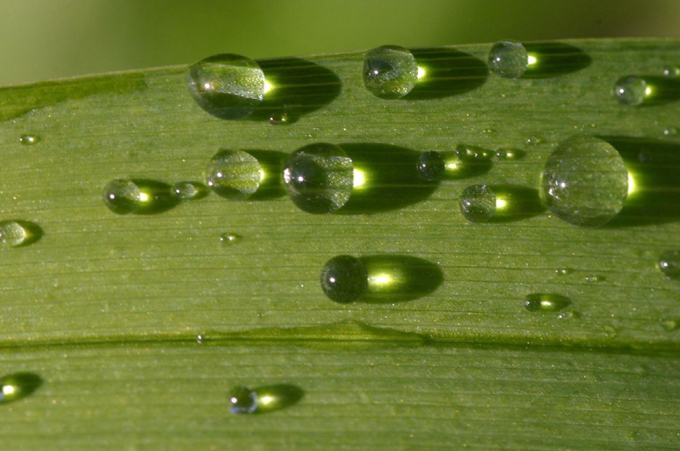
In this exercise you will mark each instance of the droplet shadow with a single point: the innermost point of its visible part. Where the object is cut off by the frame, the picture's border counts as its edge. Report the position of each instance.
(447, 72)
(659, 90)
(553, 59)
(160, 197)
(514, 203)
(459, 169)
(399, 278)
(299, 87)
(272, 398)
(653, 167)
(390, 179)
(271, 185)
(24, 384)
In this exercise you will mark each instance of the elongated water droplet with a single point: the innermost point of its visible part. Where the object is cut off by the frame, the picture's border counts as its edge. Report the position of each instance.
(670, 324)
(534, 140)
(671, 71)
(390, 71)
(122, 196)
(319, 178)
(230, 238)
(227, 86)
(546, 302)
(279, 117)
(563, 271)
(669, 264)
(186, 190)
(344, 279)
(508, 59)
(242, 400)
(510, 154)
(14, 387)
(233, 174)
(569, 315)
(478, 203)
(595, 279)
(29, 139)
(431, 166)
(13, 234)
(467, 153)
(631, 90)
(585, 181)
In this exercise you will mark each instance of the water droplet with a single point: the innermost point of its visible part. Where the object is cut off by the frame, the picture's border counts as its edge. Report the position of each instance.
(510, 154)
(319, 178)
(670, 131)
(431, 166)
(230, 238)
(671, 71)
(227, 86)
(279, 117)
(669, 264)
(233, 174)
(477, 203)
(670, 324)
(344, 279)
(563, 271)
(585, 181)
(29, 139)
(631, 90)
(569, 315)
(13, 234)
(595, 279)
(242, 400)
(534, 140)
(467, 153)
(186, 190)
(508, 59)
(390, 71)
(199, 339)
(122, 196)
(14, 387)
(546, 302)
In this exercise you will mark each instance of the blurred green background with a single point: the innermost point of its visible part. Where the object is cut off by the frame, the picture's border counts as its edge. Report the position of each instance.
(58, 38)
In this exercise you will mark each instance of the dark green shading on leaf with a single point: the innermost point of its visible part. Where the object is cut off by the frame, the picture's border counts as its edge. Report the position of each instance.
(519, 202)
(399, 278)
(14, 387)
(554, 59)
(272, 163)
(447, 72)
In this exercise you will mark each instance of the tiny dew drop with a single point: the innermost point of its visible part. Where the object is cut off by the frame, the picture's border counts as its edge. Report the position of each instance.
(185, 190)
(242, 400)
(13, 234)
(227, 86)
(631, 90)
(431, 166)
(467, 153)
(28, 140)
(534, 140)
(546, 302)
(671, 71)
(595, 279)
(563, 271)
(228, 239)
(390, 71)
(122, 196)
(344, 279)
(670, 131)
(510, 154)
(199, 339)
(478, 203)
(14, 387)
(319, 178)
(568, 315)
(670, 324)
(234, 174)
(669, 264)
(279, 118)
(508, 59)
(585, 181)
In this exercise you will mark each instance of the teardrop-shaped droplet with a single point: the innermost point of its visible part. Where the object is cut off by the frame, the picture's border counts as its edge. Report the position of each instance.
(431, 166)
(631, 90)
(14, 387)
(242, 400)
(186, 190)
(13, 234)
(344, 279)
(546, 302)
(585, 181)
(478, 203)
(28, 140)
(669, 264)
(228, 239)
(227, 86)
(390, 71)
(122, 196)
(508, 59)
(234, 174)
(319, 178)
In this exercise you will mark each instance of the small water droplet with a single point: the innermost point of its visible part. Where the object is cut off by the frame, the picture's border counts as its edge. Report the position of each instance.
(13, 234)
(563, 271)
(199, 339)
(279, 117)
(319, 178)
(122, 196)
(431, 166)
(510, 154)
(227, 86)
(534, 140)
(631, 90)
(233, 174)
(508, 59)
(595, 279)
(230, 238)
(670, 324)
(669, 264)
(671, 71)
(390, 71)
(242, 400)
(29, 139)
(185, 190)
(546, 302)
(585, 181)
(467, 153)
(14, 387)
(489, 131)
(611, 331)
(569, 315)
(478, 203)
(670, 131)
(344, 279)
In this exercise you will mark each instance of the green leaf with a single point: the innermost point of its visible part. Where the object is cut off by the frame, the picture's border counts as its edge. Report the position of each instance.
(106, 309)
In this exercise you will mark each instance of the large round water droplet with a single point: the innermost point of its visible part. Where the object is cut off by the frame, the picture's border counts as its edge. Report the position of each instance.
(319, 178)
(431, 166)
(390, 71)
(344, 279)
(13, 234)
(122, 196)
(508, 59)
(234, 174)
(585, 181)
(477, 203)
(669, 264)
(242, 400)
(546, 302)
(630, 90)
(227, 86)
